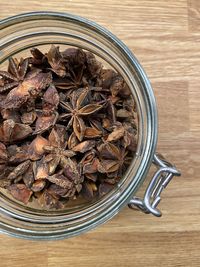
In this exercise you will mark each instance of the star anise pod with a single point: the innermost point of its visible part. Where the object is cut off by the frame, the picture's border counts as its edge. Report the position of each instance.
(76, 59)
(113, 160)
(15, 74)
(77, 108)
(72, 141)
(57, 152)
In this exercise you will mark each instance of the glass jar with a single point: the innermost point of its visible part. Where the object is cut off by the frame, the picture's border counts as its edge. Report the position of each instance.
(17, 35)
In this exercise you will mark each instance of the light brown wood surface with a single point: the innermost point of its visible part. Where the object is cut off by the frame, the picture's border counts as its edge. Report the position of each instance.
(165, 37)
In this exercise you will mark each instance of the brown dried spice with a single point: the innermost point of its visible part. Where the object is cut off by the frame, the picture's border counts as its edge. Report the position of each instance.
(20, 192)
(40, 169)
(58, 153)
(36, 148)
(48, 201)
(3, 154)
(113, 160)
(56, 61)
(18, 154)
(32, 85)
(77, 108)
(84, 146)
(10, 114)
(28, 176)
(16, 74)
(28, 117)
(19, 170)
(68, 127)
(11, 131)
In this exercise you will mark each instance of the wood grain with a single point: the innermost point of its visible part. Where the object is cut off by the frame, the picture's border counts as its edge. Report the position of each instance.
(164, 36)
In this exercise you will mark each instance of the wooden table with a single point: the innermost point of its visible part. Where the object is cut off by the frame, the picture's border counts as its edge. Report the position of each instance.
(164, 35)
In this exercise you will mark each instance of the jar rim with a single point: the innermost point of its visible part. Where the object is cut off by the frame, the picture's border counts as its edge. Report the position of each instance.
(151, 141)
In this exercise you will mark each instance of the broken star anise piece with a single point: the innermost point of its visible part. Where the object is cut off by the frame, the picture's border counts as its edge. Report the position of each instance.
(28, 177)
(57, 62)
(67, 181)
(10, 114)
(61, 180)
(36, 148)
(105, 188)
(88, 190)
(3, 154)
(38, 57)
(116, 134)
(84, 146)
(48, 201)
(20, 192)
(48, 116)
(38, 185)
(11, 131)
(90, 163)
(94, 67)
(28, 117)
(75, 57)
(40, 169)
(70, 178)
(51, 98)
(45, 121)
(57, 191)
(19, 170)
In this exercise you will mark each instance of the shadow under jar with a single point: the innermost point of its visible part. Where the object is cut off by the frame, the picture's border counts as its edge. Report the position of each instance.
(20, 33)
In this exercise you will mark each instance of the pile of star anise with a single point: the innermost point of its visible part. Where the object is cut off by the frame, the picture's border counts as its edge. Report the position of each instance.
(67, 127)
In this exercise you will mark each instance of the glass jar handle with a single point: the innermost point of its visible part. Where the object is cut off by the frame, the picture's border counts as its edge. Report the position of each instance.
(160, 180)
